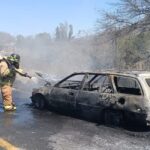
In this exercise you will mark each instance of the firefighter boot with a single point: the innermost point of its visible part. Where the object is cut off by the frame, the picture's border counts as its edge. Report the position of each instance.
(9, 107)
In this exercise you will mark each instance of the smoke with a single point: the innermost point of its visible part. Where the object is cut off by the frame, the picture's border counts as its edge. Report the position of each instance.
(58, 58)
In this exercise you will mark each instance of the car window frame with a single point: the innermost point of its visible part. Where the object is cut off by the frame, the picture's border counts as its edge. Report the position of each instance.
(136, 79)
(95, 76)
(66, 78)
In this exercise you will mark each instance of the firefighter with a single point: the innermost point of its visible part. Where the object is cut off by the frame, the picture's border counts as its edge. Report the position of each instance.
(9, 67)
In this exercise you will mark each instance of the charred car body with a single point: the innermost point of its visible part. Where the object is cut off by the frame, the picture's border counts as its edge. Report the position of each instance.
(111, 97)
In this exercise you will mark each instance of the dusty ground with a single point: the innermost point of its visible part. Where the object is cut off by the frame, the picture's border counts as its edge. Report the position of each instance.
(31, 129)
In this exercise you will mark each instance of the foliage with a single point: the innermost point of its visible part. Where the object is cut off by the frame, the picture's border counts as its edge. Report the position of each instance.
(132, 48)
(6, 40)
(133, 13)
(129, 29)
(64, 31)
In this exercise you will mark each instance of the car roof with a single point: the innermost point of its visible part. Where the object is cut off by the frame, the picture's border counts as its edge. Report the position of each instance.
(123, 73)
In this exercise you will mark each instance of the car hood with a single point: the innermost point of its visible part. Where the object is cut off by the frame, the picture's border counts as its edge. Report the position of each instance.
(48, 79)
(44, 90)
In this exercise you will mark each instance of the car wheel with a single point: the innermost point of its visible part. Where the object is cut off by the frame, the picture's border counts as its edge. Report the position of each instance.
(39, 102)
(113, 118)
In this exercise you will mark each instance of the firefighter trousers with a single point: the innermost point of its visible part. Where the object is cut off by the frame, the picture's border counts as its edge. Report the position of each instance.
(6, 91)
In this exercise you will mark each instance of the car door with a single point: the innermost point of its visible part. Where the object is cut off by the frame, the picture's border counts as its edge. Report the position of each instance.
(129, 94)
(93, 98)
(62, 96)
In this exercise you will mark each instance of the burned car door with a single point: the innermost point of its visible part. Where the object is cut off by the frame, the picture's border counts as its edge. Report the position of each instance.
(129, 94)
(62, 96)
(95, 94)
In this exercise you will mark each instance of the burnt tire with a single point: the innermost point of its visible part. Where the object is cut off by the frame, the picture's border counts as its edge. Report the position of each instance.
(113, 118)
(39, 102)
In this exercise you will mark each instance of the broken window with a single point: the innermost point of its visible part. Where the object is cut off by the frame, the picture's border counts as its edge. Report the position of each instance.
(73, 82)
(127, 85)
(100, 83)
(87, 82)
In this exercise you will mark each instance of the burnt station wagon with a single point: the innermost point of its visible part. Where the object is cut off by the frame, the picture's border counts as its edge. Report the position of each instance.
(111, 97)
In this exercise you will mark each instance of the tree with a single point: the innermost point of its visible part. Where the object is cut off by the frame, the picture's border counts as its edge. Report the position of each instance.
(127, 26)
(133, 13)
(57, 34)
(64, 31)
(132, 49)
(7, 41)
(43, 38)
(20, 39)
(70, 31)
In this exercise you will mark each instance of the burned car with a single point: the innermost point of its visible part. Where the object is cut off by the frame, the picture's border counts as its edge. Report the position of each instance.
(110, 97)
